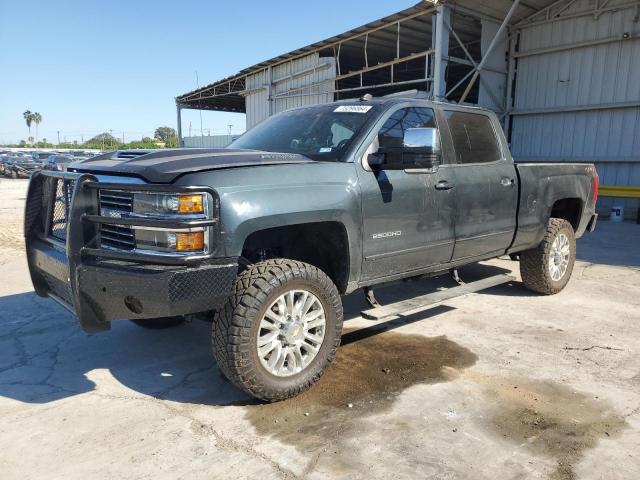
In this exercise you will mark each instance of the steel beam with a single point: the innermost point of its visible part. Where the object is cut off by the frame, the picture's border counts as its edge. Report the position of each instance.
(440, 38)
(511, 75)
(577, 108)
(179, 119)
(492, 45)
(596, 12)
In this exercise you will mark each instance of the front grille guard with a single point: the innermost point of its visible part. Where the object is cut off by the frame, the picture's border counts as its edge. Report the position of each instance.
(80, 238)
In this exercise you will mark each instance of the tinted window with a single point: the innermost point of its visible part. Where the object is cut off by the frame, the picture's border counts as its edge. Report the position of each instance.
(391, 134)
(473, 137)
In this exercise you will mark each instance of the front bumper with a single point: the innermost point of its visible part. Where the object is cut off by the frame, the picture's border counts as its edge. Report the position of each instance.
(98, 286)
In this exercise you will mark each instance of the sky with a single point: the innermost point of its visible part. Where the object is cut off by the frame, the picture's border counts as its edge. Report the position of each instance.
(93, 66)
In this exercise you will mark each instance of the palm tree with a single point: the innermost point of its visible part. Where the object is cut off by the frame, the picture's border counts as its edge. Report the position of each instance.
(28, 117)
(37, 118)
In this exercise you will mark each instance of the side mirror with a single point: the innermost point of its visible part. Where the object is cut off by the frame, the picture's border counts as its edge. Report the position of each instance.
(420, 150)
(422, 140)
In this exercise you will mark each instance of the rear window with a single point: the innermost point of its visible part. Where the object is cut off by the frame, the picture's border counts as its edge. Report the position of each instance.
(473, 137)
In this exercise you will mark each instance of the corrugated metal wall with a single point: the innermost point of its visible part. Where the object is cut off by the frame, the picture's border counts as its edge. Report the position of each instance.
(209, 141)
(291, 77)
(552, 87)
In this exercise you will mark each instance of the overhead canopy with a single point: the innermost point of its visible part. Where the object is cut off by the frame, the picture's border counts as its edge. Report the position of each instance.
(386, 40)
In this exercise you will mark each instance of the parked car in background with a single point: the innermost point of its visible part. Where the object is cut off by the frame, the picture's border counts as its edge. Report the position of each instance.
(60, 162)
(4, 156)
(40, 156)
(80, 155)
(21, 165)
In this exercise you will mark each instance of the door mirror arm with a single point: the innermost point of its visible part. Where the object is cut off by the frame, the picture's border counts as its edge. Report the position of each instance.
(377, 160)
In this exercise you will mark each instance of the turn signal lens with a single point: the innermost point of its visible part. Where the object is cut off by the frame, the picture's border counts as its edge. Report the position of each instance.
(191, 204)
(189, 241)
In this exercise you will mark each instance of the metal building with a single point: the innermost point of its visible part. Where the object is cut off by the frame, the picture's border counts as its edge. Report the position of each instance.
(564, 76)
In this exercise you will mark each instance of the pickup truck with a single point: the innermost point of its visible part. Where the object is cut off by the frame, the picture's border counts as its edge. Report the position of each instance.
(263, 238)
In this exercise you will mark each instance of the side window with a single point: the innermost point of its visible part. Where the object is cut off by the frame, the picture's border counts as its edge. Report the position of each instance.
(391, 133)
(473, 137)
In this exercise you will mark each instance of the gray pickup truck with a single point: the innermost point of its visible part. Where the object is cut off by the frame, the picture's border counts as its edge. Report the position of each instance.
(263, 237)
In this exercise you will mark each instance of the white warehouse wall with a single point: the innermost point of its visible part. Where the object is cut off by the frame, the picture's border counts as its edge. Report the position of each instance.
(292, 76)
(582, 103)
(209, 141)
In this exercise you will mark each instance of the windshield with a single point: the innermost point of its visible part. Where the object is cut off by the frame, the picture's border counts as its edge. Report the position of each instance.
(320, 132)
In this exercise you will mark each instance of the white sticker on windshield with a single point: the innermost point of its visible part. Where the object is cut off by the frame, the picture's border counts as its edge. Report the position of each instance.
(353, 108)
(325, 150)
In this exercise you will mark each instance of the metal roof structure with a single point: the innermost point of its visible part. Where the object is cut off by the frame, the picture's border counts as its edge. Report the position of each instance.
(386, 40)
(562, 75)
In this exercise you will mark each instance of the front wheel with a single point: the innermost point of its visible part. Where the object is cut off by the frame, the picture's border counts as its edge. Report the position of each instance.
(276, 336)
(547, 268)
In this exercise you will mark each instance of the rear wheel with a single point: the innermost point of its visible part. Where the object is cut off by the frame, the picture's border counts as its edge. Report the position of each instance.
(547, 268)
(279, 332)
(159, 323)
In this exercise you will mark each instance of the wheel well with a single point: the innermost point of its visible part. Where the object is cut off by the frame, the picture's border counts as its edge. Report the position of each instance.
(569, 209)
(324, 245)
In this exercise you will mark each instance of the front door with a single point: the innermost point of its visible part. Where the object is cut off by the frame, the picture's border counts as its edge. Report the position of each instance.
(407, 216)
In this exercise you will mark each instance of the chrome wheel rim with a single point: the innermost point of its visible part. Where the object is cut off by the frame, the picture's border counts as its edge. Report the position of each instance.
(291, 333)
(559, 257)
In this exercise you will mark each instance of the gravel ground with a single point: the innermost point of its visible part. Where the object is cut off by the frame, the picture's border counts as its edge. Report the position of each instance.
(502, 384)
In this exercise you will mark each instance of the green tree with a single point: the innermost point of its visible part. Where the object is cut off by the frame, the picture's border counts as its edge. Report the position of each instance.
(28, 118)
(102, 140)
(171, 142)
(37, 119)
(164, 134)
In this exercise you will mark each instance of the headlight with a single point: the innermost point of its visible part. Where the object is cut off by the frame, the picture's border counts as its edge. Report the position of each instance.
(159, 203)
(166, 208)
(174, 205)
(170, 241)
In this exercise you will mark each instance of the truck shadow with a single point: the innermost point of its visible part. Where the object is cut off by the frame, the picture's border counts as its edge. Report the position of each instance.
(45, 357)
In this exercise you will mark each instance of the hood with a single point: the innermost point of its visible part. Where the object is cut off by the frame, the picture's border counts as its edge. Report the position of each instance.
(164, 166)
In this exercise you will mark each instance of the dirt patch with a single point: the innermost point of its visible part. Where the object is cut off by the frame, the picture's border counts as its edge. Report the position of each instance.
(13, 194)
(551, 420)
(369, 372)
(11, 235)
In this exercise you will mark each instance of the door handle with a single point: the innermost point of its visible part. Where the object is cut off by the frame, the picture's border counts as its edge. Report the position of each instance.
(507, 182)
(443, 185)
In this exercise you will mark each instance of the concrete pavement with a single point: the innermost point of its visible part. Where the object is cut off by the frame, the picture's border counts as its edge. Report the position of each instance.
(501, 384)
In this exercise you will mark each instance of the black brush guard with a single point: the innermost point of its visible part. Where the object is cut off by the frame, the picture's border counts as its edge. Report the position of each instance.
(98, 285)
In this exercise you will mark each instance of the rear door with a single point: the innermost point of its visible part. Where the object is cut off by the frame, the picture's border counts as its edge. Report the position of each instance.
(485, 184)
(407, 221)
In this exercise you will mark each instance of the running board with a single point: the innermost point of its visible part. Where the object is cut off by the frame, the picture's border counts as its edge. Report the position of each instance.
(422, 301)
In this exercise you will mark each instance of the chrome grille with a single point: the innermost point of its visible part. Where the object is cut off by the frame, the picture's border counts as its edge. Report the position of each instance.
(60, 210)
(114, 203)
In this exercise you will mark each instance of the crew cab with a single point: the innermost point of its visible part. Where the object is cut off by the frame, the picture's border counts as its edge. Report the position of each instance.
(263, 238)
